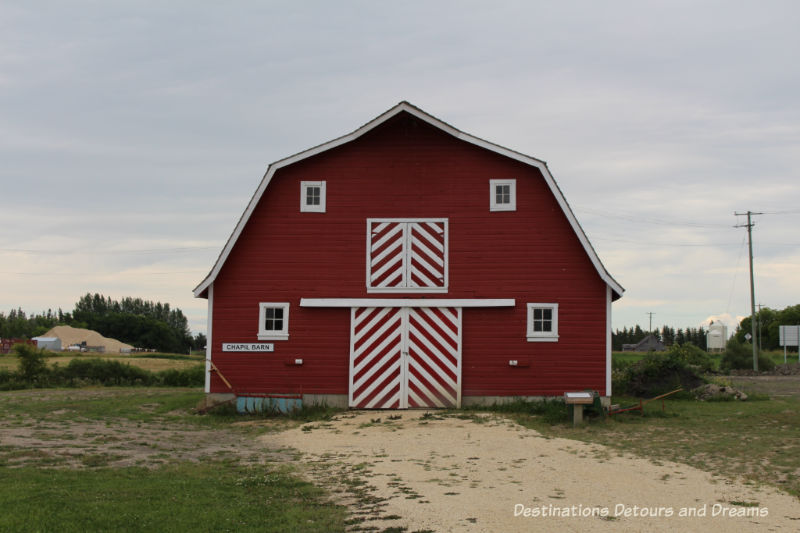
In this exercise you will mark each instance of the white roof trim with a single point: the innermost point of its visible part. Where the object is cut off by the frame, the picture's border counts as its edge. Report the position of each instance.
(425, 117)
(407, 302)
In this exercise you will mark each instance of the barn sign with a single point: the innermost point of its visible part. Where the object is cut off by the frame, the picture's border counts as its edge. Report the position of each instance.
(408, 264)
(247, 347)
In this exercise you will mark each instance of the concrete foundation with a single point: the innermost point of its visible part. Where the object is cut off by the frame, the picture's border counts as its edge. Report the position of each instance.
(331, 400)
(467, 401)
(264, 402)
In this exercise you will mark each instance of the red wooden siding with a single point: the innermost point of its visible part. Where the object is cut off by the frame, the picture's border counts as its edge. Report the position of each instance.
(406, 169)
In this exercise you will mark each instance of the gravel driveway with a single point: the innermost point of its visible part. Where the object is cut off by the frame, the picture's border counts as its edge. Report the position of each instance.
(439, 471)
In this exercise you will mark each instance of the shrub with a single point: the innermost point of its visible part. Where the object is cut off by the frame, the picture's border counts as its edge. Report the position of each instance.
(692, 356)
(33, 372)
(657, 374)
(104, 372)
(739, 356)
(11, 381)
(189, 377)
(32, 363)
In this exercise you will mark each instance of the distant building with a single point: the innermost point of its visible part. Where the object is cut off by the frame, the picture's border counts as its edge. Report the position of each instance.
(716, 337)
(48, 343)
(7, 344)
(648, 344)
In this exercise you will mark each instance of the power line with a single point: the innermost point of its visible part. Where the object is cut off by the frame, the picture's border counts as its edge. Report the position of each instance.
(650, 220)
(92, 274)
(109, 252)
(785, 212)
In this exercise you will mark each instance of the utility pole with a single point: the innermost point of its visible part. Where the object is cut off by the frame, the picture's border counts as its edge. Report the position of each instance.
(749, 227)
(760, 332)
(651, 322)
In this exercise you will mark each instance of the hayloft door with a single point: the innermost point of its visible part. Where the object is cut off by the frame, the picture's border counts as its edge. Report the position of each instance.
(404, 357)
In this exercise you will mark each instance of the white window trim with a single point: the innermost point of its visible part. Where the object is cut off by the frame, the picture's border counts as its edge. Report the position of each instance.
(542, 336)
(305, 208)
(264, 335)
(410, 290)
(512, 205)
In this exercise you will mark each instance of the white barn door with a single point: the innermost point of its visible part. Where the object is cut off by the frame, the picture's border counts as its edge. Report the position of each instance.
(405, 357)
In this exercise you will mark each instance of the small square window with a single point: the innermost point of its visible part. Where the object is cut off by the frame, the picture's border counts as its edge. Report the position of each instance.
(543, 322)
(273, 321)
(502, 195)
(312, 196)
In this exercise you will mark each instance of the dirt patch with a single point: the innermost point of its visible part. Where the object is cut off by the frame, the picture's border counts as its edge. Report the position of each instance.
(118, 443)
(776, 386)
(62, 438)
(450, 472)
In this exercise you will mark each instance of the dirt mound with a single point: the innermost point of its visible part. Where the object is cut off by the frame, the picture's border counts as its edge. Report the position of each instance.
(789, 369)
(711, 391)
(70, 335)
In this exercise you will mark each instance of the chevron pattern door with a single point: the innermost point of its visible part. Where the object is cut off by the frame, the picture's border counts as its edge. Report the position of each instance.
(405, 357)
(426, 254)
(406, 255)
(433, 357)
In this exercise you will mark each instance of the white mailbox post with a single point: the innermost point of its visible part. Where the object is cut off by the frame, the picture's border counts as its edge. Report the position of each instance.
(578, 400)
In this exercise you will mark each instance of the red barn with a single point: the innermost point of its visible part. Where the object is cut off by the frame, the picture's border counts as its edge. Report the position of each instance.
(407, 264)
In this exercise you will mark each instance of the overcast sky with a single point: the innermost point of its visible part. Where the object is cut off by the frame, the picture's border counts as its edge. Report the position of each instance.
(132, 134)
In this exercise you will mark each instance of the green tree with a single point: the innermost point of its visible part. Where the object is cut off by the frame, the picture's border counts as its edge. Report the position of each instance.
(32, 363)
(139, 322)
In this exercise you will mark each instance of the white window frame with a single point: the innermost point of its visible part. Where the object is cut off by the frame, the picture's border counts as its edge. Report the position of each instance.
(542, 336)
(406, 233)
(306, 208)
(512, 189)
(273, 335)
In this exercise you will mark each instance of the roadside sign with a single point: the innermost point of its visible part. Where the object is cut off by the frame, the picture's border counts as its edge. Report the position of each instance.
(789, 336)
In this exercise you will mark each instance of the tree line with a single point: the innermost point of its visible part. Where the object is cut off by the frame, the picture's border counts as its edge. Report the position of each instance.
(141, 323)
(768, 322)
(668, 335)
(767, 325)
(17, 325)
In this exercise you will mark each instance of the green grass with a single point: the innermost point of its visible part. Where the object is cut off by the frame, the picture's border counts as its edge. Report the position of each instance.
(777, 356)
(42, 489)
(627, 357)
(138, 404)
(631, 357)
(757, 439)
(153, 362)
(212, 496)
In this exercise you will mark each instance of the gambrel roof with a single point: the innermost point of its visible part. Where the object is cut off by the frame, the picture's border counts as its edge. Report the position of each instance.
(404, 107)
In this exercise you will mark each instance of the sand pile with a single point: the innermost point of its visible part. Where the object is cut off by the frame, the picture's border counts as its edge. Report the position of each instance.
(70, 335)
